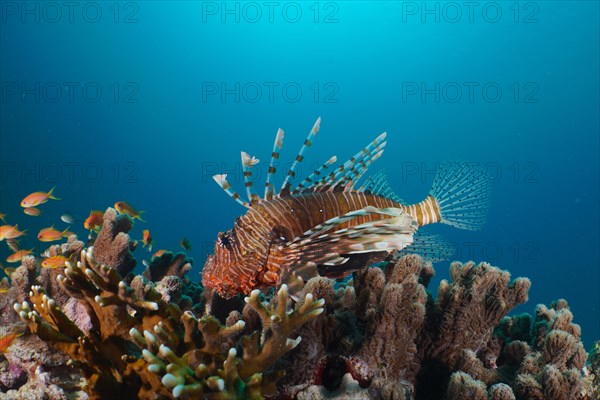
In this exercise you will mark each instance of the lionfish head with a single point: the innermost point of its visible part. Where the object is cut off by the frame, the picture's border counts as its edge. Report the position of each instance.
(222, 270)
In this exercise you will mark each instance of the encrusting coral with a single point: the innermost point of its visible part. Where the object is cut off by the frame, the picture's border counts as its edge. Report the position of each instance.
(381, 335)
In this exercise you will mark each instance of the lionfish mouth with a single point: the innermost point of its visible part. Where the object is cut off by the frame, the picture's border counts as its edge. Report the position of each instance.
(213, 278)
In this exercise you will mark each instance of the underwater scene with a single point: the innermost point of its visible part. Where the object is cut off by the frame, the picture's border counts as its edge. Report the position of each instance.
(300, 200)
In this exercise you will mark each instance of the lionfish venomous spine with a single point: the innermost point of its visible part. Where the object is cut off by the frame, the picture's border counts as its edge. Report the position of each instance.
(328, 225)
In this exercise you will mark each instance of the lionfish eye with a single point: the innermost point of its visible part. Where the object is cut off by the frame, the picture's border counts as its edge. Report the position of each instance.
(224, 240)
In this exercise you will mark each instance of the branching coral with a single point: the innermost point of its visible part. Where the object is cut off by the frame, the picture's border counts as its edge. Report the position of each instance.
(112, 309)
(201, 368)
(118, 360)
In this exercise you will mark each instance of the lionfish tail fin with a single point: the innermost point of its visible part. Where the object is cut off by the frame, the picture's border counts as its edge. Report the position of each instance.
(462, 192)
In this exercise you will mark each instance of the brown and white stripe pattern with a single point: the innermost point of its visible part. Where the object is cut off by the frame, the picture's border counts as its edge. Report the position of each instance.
(285, 188)
(269, 187)
(426, 212)
(247, 163)
(221, 179)
(255, 252)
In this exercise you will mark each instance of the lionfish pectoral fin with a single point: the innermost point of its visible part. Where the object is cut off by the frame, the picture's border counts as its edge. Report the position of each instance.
(352, 263)
(334, 248)
(432, 248)
(335, 221)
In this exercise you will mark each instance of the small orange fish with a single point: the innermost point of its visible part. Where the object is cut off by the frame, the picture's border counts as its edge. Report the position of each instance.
(147, 239)
(125, 208)
(54, 262)
(94, 221)
(185, 243)
(18, 256)
(34, 212)
(10, 232)
(2, 217)
(5, 230)
(158, 253)
(7, 340)
(50, 234)
(37, 198)
(8, 271)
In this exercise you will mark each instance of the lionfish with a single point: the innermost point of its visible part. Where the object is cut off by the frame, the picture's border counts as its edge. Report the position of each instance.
(328, 225)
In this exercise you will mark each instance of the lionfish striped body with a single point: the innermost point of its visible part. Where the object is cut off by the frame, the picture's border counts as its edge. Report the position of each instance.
(329, 226)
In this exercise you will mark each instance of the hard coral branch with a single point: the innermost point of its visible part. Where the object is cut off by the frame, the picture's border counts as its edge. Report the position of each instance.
(207, 367)
(113, 310)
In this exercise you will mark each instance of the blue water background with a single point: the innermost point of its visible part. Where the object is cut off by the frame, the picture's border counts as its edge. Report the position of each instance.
(157, 143)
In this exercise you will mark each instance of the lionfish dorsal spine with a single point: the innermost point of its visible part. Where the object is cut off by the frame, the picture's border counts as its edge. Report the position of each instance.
(355, 173)
(221, 180)
(269, 187)
(378, 184)
(329, 182)
(342, 178)
(247, 163)
(312, 178)
(285, 187)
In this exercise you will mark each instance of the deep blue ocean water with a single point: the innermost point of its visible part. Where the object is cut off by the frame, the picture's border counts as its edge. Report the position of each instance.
(144, 101)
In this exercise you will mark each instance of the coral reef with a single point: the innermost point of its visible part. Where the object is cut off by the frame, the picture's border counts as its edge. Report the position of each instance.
(30, 368)
(388, 333)
(98, 331)
(129, 349)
